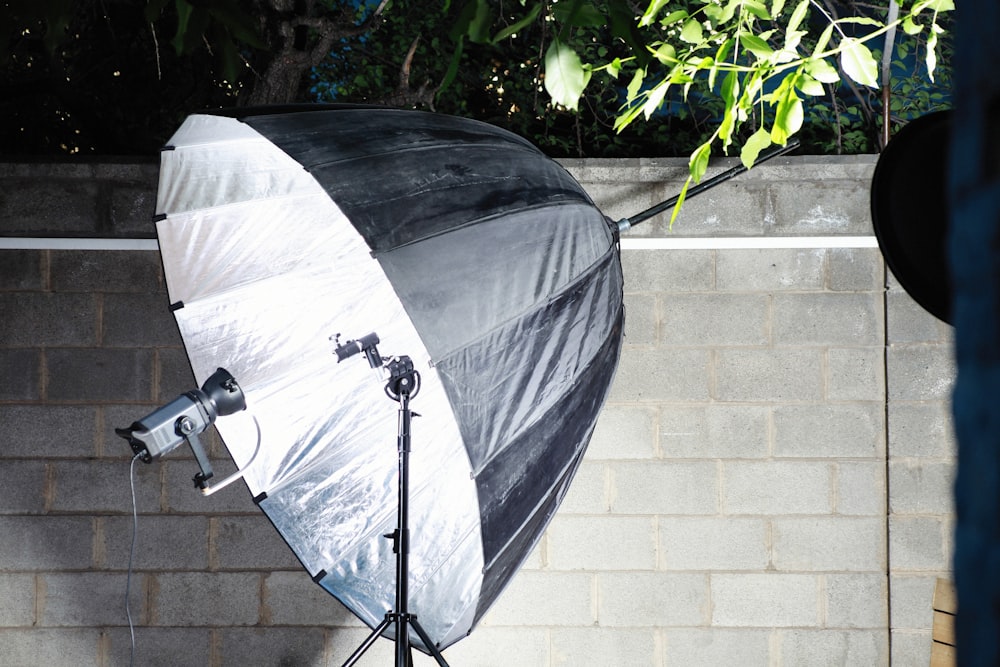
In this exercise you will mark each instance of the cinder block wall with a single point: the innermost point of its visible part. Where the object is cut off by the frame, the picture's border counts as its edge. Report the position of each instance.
(769, 482)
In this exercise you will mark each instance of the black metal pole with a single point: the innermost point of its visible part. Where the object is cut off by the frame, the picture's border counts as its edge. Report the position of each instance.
(403, 384)
(626, 223)
(403, 535)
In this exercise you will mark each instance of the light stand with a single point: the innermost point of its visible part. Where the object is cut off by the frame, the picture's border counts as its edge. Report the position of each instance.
(403, 384)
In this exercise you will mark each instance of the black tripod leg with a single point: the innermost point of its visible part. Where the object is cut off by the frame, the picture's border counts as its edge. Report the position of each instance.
(427, 642)
(375, 634)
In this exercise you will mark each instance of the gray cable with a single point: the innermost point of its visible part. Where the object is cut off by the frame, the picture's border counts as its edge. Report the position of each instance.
(131, 557)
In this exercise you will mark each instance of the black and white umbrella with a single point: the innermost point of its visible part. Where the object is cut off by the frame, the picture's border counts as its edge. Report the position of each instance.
(462, 246)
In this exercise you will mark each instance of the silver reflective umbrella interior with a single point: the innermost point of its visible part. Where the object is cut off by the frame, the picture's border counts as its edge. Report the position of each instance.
(461, 246)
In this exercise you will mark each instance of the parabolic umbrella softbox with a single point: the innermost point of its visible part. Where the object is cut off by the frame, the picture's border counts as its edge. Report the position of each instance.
(463, 247)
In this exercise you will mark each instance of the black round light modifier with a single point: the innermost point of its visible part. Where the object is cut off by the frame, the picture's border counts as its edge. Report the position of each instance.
(910, 211)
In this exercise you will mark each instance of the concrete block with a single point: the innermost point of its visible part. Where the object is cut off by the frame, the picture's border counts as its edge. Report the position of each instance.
(272, 646)
(23, 484)
(921, 487)
(573, 647)
(831, 648)
(737, 207)
(642, 319)
(856, 374)
(33, 319)
(46, 543)
(765, 600)
(770, 269)
(668, 271)
(921, 430)
(714, 431)
(79, 647)
(157, 647)
(601, 543)
(665, 487)
(776, 487)
(132, 210)
(175, 376)
(853, 430)
(41, 431)
(137, 320)
(292, 598)
(163, 542)
(911, 647)
(861, 488)
(106, 271)
(22, 270)
(180, 495)
(920, 372)
(831, 318)
(20, 373)
(536, 598)
(89, 599)
(828, 544)
(854, 269)
(831, 207)
(918, 543)
(771, 375)
(654, 599)
(908, 322)
(103, 486)
(216, 599)
(18, 594)
(32, 206)
(714, 543)
(249, 543)
(911, 601)
(857, 600)
(589, 492)
(624, 432)
(662, 375)
(501, 647)
(716, 319)
(99, 374)
(714, 647)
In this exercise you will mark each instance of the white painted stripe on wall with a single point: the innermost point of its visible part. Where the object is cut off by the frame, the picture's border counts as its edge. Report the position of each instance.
(702, 243)
(10, 243)
(749, 242)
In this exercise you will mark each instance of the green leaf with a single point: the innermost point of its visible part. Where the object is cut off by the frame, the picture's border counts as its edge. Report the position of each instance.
(579, 13)
(650, 15)
(635, 84)
(788, 115)
(184, 11)
(777, 7)
(665, 53)
(757, 142)
(911, 27)
(810, 86)
(565, 75)
(674, 17)
(698, 162)
(857, 61)
(456, 59)
(756, 45)
(798, 14)
(823, 40)
(692, 32)
(821, 70)
(680, 201)
(655, 99)
(479, 26)
(518, 26)
(757, 8)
